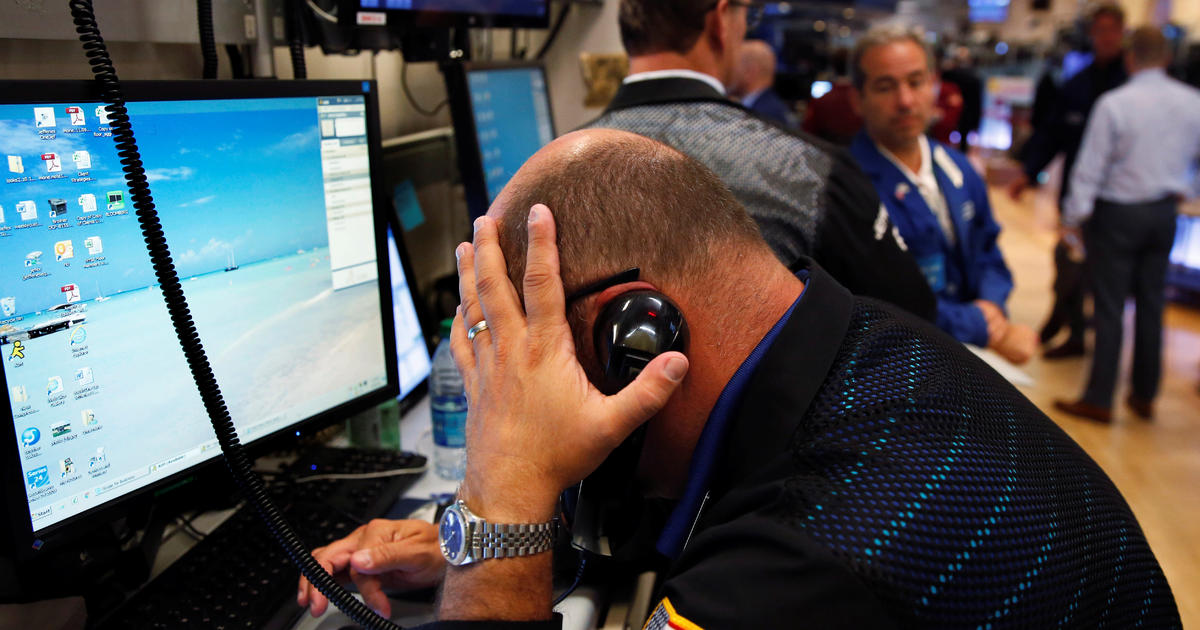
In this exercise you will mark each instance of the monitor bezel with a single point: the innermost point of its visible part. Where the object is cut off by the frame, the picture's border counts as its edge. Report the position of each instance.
(466, 136)
(26, 542)
(426, 18)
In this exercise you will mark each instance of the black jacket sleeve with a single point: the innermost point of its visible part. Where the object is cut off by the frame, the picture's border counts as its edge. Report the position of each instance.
(857, 245)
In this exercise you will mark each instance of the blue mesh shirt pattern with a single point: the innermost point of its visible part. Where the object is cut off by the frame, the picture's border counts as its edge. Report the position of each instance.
(955, 501)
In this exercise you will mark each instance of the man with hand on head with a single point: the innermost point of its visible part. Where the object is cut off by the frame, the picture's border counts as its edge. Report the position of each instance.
(808, 198)
(832, 459)
(932, 193)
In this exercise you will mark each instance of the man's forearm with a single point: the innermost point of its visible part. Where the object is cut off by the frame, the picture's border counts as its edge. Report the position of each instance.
(508, 589)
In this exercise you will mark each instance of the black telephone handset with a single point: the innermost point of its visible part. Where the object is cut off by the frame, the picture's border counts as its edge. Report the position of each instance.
(630, 331)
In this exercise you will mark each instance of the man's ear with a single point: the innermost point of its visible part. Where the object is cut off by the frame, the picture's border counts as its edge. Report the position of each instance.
(716, 27)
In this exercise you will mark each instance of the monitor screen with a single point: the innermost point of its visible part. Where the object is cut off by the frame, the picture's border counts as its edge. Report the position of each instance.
(499, 13)
(987, 10)
(412, 353)
(511, 111)
(267, 204)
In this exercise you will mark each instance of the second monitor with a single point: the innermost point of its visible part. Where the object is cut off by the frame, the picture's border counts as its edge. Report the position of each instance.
(501, 118)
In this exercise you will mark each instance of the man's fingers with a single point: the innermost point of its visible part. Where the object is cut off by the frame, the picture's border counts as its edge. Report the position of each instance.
(402, 555)
(318, 602)
(461, 350)
(467, 297)
(496, 293)
(543, 284)
(647, 394)
(372, 593)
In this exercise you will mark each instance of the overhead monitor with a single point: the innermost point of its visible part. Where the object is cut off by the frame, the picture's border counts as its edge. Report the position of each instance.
(987, 11)
(266, 196)
(489, 13)
(501, 117)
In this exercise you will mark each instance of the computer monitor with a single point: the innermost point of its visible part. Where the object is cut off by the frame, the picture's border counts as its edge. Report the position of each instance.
(412, 347)
(266, 195)
(501, 117)
(438, 13)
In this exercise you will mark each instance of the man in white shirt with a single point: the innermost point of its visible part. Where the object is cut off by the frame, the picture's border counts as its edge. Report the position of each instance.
(1141, 143)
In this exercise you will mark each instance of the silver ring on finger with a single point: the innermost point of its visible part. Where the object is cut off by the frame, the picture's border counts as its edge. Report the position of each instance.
(476, 329)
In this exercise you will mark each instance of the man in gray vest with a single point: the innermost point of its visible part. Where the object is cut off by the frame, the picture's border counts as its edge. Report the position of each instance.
(808, 198)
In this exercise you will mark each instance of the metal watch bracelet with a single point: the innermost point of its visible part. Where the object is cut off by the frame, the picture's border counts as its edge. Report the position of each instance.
(504, 540)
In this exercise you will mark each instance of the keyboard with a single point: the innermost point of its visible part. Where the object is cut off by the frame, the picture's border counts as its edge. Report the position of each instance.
(238, 576)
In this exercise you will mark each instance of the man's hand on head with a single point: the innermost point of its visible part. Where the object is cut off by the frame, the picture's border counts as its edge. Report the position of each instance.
(535, 423)
(381, 555)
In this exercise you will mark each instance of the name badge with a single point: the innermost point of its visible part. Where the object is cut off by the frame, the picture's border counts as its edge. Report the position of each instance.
(934, 269)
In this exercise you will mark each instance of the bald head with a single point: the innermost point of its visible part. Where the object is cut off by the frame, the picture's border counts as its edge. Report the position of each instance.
(621, 200)
(756, 67)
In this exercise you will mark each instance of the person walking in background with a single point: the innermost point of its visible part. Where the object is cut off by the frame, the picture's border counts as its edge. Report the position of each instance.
(936, 198)
(956, 69)
(1141, 142)
(754, 80)
(831, 116)
(1062, 133)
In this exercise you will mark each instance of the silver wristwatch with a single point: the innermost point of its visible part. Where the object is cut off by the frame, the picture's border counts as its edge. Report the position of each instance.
(466, 538)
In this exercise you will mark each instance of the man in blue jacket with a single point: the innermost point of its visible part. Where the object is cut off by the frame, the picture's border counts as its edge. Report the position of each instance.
(934, 197)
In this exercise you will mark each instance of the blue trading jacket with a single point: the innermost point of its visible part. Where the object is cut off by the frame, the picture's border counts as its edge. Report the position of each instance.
(972, 269)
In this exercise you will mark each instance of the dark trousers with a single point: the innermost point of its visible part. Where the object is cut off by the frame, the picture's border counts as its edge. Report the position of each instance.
(1128, 247)
(1070, 289)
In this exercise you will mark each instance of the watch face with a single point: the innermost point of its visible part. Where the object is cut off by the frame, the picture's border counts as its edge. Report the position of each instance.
(452, 536)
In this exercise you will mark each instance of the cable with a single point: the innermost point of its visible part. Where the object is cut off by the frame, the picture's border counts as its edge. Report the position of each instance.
(237, 64)
(583, 556)
(250, 484)
(412, 100)
(558, 24)
(208, 45)
(295, 23)
(322, 13)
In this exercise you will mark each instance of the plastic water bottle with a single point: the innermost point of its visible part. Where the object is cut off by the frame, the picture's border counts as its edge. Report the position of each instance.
(449, 407)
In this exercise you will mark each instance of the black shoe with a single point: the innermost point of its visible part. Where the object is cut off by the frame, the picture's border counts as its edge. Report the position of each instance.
(1069, 349)
(1141, 407)
(1085, 410)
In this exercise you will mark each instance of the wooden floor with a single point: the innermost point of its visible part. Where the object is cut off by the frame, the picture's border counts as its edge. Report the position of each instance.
(1156, 465)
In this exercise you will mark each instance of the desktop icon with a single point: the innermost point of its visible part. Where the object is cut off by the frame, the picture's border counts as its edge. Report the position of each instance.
(54, 385)
(78, 336)
(63, 250)
(8, 305)
(99, 459)
(15, 165)
(76, 114)
(53, 163)
(83, 376)
(19, 395)
(38, 477)
(33, 259)
(70, 293)
(1, 214)
(30, 436)
(102, 114)
(94, 246)
(89, 418)
(116, 199)
(43, 116)
(60, 429)
(58, 207)
(18, 351)
(82, 159)
(66, 466)
(87, 203)
(27, 209)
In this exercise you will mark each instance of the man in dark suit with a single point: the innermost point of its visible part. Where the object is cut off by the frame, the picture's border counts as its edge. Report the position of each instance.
(1062, 133)
(752, 84)
(833, 461)
(808, 198)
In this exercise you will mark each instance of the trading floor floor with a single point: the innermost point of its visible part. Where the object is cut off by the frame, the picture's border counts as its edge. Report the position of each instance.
(1155, 464)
